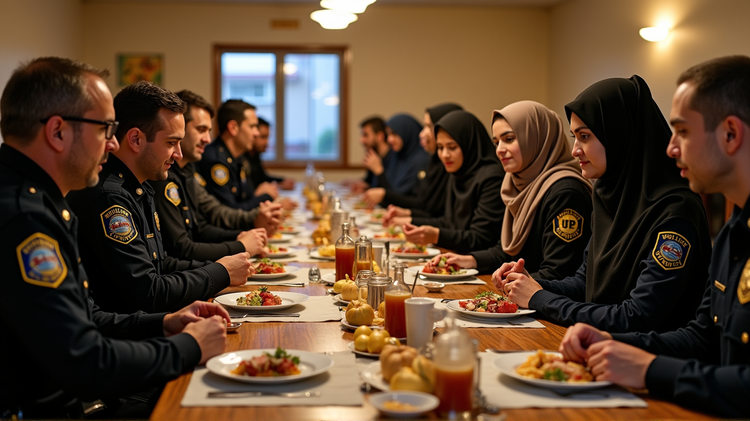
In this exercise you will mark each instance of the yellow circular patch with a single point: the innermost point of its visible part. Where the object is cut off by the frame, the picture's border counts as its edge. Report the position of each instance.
(220, 174)
(172, 193)
(568, 225)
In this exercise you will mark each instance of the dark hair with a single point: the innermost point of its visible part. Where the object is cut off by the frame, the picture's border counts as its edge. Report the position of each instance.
(232, 110)
(722, 88)
(138, 105)
(194, 100)
(42, 88)
(376, 123)
(263, 122)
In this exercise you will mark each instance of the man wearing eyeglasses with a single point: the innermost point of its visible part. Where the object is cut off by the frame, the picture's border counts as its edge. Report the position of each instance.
(120, 230)
(59, 349)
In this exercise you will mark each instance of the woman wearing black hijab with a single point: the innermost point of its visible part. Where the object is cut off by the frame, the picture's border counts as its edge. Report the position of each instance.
(430, 198)
(401, 173)
(473, 207)
(647, 262)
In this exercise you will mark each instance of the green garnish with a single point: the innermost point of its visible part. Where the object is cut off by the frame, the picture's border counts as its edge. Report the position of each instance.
(556, 374)
(280, 353)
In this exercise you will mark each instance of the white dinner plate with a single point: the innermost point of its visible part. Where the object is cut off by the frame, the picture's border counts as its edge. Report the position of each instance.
(363, 353)
(420, 401)
(431, 252)
(294, 230)
(329, 278)
(279, 254)
(468, 272)
(507, 364)
(383, 239)
(338, 298)
(353, 327)
(454, 305)
(288, 299)
(310, 364)
(315, 255)
(285, 238)
(266, 276)
(374, 377)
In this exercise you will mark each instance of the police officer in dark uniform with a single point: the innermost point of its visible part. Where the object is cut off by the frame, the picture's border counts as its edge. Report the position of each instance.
(224, 166)
(185, 231)
(707, 363)
(55, 140)
(120, 237)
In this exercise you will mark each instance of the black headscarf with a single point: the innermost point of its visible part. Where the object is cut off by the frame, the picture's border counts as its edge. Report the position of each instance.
(480, 162)
(435, 183)
(640, 189)
(404, 166)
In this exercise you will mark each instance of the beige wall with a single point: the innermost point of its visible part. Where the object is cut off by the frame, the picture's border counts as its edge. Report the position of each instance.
(403, 58)
(594, 39)
(33, 28)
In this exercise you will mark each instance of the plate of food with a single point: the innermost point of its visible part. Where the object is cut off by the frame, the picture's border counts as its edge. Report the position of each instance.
(413, 251)
(280, 238)
(546, 369)
(488, 305)
(376, 217)
(354, 327)
(261, 300)
(442, 271)
(392, 234)
(276, 252)
(288, 229)
(269, 365)
(338, 298)
(266, 269)
(362, 353)
(404, 404)
(324, 253)
(374, 376)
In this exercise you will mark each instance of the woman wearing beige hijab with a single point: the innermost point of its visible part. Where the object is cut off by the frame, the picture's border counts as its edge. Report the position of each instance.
(548, 202)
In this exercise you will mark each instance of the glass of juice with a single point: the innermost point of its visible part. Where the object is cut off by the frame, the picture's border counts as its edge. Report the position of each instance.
(344, 254)
(395, 312)
(455, 363)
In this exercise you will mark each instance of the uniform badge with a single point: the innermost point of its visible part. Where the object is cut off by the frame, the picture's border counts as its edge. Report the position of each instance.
(172, 193)
(671, 250)
(156, 219)
(199, 178)
(118, 224)
(743, 290)
(421, 175)
(41, 261)
(243, 176)
(220, 174)
(568, 225)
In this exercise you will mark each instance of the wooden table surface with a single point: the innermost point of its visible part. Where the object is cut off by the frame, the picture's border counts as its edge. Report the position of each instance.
(329, 336)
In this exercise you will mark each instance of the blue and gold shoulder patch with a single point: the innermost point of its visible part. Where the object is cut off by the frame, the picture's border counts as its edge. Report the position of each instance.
(41, 261)
(199, 178)
(118, 224)
(671, 250)
(220, 174)
(568, 225)
(172, 193)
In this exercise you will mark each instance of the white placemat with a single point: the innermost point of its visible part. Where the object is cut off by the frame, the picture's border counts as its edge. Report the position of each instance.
(300, 276)
(336, 387)
(506, 392)
(316, 309)
(521, 322)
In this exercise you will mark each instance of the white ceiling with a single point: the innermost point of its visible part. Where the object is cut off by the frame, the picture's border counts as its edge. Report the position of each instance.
(524, 3)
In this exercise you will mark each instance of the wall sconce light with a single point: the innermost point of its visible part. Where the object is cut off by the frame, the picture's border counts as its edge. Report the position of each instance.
(654, 33)
(332, 19)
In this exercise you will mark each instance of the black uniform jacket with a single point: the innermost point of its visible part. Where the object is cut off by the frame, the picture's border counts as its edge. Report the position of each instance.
(121, 246)
(217, 213)
(552, 250)
(664, 298)
(707, 363)
(74, 351)
(184, 229)
(228, 178)
(258, 174)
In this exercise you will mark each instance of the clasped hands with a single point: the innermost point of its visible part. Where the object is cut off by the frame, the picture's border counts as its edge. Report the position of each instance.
(512, 280)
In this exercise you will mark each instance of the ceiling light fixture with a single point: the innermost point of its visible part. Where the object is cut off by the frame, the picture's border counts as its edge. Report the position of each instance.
(348, 6)
(331, 19)
(654, 33)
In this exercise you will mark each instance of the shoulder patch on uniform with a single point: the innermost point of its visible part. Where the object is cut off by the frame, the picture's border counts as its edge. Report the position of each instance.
(220, 174)
(568, 225)
(743, 289)
(199, 178)
(172, 193)
(118, 224)
(671, 250)
(41, 261)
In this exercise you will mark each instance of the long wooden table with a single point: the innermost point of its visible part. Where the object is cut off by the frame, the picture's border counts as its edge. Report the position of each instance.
(329, 336)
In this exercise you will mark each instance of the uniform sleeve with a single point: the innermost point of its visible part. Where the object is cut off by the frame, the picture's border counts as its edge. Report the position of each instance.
(565, 215)
(403, 200)
(491, 259)
(484, 230)
(653, 302)
(223, 192)
(132, 272)
(66, 349)
(224, 216)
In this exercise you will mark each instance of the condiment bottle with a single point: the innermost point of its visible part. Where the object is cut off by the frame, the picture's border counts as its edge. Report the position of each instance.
(362, 255)
(395, 295)
(344, 254)
(455, 361)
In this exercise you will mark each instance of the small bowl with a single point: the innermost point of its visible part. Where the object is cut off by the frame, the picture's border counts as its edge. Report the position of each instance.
(421, 403)
(232, 327)
(434, 286)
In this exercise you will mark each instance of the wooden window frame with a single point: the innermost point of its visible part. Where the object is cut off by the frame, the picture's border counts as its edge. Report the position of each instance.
(345, 64)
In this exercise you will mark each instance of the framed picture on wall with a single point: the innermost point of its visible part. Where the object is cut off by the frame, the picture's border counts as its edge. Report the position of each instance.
(133, 68)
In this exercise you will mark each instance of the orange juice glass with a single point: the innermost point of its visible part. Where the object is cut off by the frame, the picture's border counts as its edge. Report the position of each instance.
(454, 386)
(395, 314)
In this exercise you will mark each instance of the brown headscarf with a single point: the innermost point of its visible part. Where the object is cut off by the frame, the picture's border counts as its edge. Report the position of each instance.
(546, 159)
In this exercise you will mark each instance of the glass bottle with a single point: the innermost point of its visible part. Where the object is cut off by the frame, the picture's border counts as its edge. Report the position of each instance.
(395, 295)
(344, 253)
(455, 362)
(362, 280)
(353, 228)
(362, 255)
(376, 290)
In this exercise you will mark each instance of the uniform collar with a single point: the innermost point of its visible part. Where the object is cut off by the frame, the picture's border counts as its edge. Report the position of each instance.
(130, 182)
